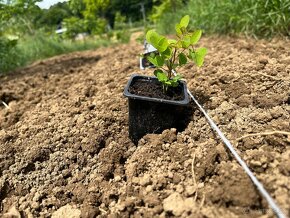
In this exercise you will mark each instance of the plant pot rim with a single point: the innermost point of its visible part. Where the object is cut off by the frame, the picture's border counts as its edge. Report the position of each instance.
(126, 93)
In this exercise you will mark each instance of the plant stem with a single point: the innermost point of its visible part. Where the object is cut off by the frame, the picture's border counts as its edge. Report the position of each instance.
(172, 61)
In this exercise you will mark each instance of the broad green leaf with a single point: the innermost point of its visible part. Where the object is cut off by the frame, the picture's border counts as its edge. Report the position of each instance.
(177, 77)
(159, 60)
(157, 71)
(199, 56)
(174, 83)
(152, 37)
(182, 59)
(179, 44)
(167, 53)
(185, 42)
(172, 41)
(184, 21)
(191, 54)
(152, 60)
(168, 82)
(195, 37)
(178, 29)
(162, 44)
(161, 76)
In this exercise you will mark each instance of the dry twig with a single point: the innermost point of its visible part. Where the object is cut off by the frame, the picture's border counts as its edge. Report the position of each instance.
(269, 76)
(264, 133)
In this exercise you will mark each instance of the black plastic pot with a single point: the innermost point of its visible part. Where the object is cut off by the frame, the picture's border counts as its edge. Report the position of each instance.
(153, 115)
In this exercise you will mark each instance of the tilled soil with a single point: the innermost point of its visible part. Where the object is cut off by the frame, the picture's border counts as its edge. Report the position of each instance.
(65, 150)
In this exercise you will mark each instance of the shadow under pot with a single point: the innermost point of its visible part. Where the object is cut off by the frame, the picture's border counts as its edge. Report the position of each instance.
(151, 110)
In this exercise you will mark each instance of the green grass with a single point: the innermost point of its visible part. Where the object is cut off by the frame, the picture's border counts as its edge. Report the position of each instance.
(256, 18)
(41, 46)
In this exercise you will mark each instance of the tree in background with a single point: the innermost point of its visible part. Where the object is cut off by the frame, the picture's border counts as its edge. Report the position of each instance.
(96, 8)
(19, 16)
(74, 25)
(54, 16)
(77, 7)
(119, 20)
(15, 21)
(162, 7)
(132, 9)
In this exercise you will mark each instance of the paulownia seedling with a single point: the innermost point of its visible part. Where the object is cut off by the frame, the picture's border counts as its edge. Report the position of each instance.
(174, 53)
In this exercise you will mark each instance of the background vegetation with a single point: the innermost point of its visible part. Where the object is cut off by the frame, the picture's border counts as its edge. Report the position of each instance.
(27, 32)
(256, 18)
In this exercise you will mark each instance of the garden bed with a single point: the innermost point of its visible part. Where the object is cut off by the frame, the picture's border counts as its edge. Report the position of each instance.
(64, 139)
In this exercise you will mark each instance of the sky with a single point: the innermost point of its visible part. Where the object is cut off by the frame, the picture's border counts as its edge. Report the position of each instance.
(45, 4)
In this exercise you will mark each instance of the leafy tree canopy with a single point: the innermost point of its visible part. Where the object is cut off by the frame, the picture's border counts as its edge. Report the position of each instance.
(55, 14)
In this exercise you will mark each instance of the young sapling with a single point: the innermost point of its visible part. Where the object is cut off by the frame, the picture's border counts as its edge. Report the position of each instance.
(174, 53)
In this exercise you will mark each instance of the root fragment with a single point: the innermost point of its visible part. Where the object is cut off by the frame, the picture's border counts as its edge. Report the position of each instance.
(264, 133)
(202, 201)
(193, 176)
(271, 77)
(5, 105)
(102, 210)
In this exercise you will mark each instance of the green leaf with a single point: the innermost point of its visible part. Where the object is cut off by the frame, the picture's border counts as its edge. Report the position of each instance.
(168, 82)
(179, 44)
(182, 59)
(162, 44)
(157, 71)
(199, 56)
(174, 83)
(152, 37)
(172, 41)
(159, 60)
(167, 53)
(184, 21)
(161, 76)
(191, 54)
(152, 60)
(178, 30)
(158, 41)
(177, 77)
(185, 42)
(195, 37)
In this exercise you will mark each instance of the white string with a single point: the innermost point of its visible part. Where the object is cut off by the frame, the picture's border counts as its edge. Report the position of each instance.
(259, 185)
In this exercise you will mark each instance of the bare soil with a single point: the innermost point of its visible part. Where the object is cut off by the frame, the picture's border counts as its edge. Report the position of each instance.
(65, 151)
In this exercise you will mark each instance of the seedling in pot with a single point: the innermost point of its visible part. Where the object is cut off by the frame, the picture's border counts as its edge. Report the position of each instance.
(174, 53)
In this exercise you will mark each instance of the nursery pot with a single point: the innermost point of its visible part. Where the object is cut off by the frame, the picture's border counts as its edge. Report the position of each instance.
(151, 114)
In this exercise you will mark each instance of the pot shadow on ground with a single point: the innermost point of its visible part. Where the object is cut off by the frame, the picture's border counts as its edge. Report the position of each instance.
(185, 118)
(56, 65)
(202, 99)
